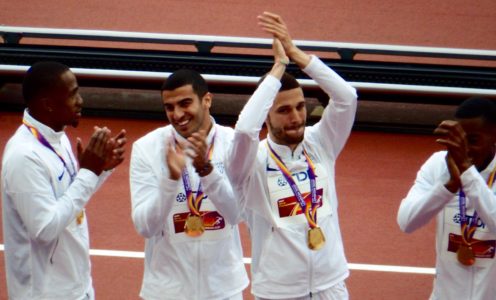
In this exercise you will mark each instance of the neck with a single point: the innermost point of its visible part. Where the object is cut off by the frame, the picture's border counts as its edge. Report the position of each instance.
(291, 146)
(208, 125)
(43, 117)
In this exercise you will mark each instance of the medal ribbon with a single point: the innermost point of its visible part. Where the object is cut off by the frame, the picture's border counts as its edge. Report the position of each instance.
(310, 212)
(37, 134)
(468, 228)
(194, 203)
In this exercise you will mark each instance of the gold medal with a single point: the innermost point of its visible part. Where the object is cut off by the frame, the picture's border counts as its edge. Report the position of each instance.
(194, 226)
(465, 255)
(316, 239)
(80, 217)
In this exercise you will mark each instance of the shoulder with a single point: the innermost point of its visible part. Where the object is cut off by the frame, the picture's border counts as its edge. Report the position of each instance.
(22, 150)
(154, 137)
(224, 132)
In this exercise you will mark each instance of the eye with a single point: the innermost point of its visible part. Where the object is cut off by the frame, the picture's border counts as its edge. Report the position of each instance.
(472, 140)
(283, 110)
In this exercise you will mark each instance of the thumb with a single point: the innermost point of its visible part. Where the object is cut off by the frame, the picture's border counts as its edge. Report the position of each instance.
(79, 146)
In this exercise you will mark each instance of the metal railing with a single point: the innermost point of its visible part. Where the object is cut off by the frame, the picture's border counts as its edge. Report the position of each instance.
(12, 36)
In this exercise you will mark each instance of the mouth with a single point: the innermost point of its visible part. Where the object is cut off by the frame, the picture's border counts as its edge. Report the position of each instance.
(295, 129)
(182, 124)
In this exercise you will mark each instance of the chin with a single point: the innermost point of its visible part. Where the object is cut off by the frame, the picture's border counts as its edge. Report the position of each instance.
(75, 123)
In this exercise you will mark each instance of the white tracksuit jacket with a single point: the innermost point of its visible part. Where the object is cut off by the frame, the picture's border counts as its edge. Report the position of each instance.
(283, 266)
(46, 251)
(428, 198)
(177, 266)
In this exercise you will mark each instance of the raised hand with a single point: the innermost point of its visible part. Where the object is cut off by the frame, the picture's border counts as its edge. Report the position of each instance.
(175, 159)
(275, 25)
(199, 147)
(115, 147)
(453, 137)
(280, 60)
(94, 156)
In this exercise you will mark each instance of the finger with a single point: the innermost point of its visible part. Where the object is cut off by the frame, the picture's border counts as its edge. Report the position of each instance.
(79, 147)
(447, 143)
(120, 135)
(101, 139)
(118, 151)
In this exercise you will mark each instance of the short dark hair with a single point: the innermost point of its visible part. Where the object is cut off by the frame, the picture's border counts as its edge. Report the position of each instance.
(184, 77)
(41, 79)
(288, 82)
(477, 107)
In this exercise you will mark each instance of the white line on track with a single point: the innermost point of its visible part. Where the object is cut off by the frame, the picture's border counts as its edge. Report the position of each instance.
(247, 260)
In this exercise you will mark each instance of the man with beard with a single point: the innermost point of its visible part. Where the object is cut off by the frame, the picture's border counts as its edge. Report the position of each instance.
(44, 192)
(193, 248)
(285, 181)
(456, 187)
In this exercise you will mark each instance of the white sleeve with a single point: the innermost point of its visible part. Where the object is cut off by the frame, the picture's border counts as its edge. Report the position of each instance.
(151, 197)
(243, 151)
(476, 189)
(425, 200)
(218, 185)
(44, 215)
(337, 120)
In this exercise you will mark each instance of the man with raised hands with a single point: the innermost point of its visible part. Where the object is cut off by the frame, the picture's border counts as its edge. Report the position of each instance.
(285, 183)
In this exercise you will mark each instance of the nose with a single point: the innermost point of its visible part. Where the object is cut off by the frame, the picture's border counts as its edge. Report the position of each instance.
(178, 113)
(295, 116)
(79, 99)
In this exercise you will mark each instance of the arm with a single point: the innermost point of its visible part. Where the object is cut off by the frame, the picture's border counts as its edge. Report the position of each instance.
(334, 128)
(216, 186)
(151, 196)
(337, 120)
(222, 196)
(44, 215)
(483, 197)
(244, 148)
(426, 198)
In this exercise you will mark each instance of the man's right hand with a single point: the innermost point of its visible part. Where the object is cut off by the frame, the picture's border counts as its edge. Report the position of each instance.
(274, 25)
(94, 156)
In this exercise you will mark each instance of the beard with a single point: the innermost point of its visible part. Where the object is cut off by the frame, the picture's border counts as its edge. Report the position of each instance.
(281, 136)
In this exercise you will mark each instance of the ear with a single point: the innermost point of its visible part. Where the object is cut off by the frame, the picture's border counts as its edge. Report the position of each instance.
(207, 99)
(46, 104)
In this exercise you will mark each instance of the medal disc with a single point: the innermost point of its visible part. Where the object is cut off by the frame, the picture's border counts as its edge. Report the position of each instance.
(465, 255)
(316, 239)
(194, 226)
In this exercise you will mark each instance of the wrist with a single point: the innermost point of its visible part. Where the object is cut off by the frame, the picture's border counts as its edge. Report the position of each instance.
(283, 61)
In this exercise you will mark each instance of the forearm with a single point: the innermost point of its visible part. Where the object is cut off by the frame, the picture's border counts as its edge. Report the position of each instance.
(151, 205)
(45, 216)
(255, 111)
(484, 200)
(335, 86)
(219, 191)
(420, 206)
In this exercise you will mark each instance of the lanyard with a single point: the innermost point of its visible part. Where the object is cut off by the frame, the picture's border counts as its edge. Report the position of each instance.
(468, 227)
(37, 134)
(310, 211)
